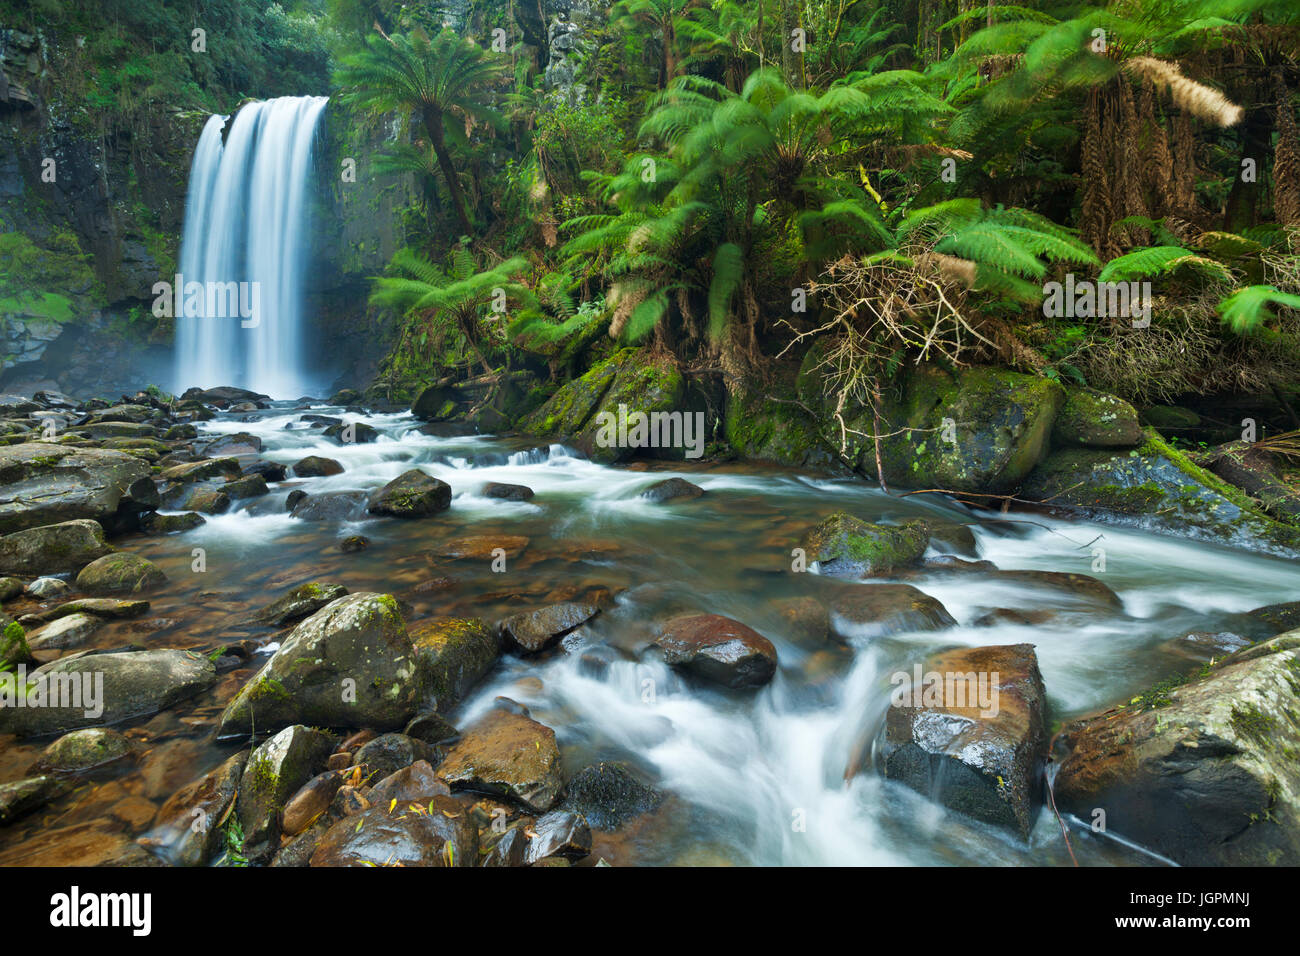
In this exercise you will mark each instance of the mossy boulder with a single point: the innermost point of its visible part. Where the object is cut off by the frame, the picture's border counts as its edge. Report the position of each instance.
(53, 549)
(83, 750)
(303, 600)
(120, 573)
(351, 664)
(275, 771)
(1157, 488)
(763, 425)
(1207, 773)
(1092, 419)
(628, 382)
(979, 429)
(842, 544)
(452, 655)
(412, 494)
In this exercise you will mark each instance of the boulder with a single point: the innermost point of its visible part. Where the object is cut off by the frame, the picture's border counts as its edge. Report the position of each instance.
(120, 573)
(507, 492)
(981, 429)
(331, 506)
(719, 650)
(53, 549)
(189, 826)
(412, 494)
(436, 833)
(110, 608)
(313, 466)
(83, 750)
(64, 633)
(536, 630)
(452, 656)
(389, 753)
(560, 833)
(303, 600)
(275, 771)
(970, 733)
(46, 588)
(416, 783)
(358, 433)
(95, 689)
(844, 545)
(509, 755)
(671, 489)
(482, 547)
(20, 797)
(1092, 419)
(608, 795)
(312, 800)
(351, 664)
(1157, 488)
(1204, 773)
(239, 443)
(208, 501)
(881, 610)
(204, 470)
(250, 486)
(155, 523)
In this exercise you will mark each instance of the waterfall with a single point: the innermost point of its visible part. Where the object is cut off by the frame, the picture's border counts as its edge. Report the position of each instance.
(244, 250)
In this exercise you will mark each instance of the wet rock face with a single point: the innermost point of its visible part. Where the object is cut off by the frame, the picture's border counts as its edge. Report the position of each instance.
(607, 795)
(330, 506)
(389, 753)
(438, 832)
(981, 430)
(1208, 779)
(188, 830)
(844, 545)
(412, 494)
(976, 748)
(537, 630)
(106, 688)
(351, 664)
(275, 771)
(509, 755)
(718, 649)
(42, 484)
(1156, 488)
(53, 549)
(507, 492)
(452, 655)
(1092, 419)
(560, 833)
(881, 610)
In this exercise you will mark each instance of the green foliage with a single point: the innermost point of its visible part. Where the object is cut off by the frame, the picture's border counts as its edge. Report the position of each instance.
(1248, 309)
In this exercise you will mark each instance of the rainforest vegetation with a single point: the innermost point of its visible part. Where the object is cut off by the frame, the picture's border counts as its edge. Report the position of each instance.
(727, 182)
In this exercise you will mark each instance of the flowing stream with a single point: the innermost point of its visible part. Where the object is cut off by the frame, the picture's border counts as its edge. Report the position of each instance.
(743, 771)
(247, 222)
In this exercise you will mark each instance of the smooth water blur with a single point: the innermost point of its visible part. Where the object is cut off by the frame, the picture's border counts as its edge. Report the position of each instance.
(753, 779)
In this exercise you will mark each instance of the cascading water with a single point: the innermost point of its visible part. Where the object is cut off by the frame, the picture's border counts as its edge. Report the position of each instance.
(245, 243)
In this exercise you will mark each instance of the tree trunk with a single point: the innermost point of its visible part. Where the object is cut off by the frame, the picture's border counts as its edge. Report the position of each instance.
(433, 125)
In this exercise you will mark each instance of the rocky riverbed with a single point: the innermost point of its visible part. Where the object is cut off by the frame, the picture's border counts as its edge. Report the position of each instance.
(312, 634)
